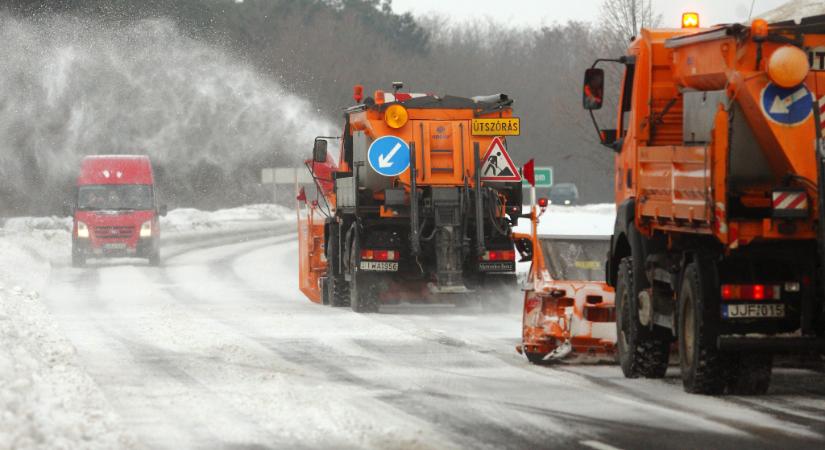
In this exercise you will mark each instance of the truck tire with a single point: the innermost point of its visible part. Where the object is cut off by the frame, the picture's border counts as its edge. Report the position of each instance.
(337, 285)
(642, 351)
(750, 374)
(324, 287)
(363, 292)
(703, 366)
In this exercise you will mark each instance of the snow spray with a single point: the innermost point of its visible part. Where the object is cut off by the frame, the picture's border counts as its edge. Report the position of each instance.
(71, 87)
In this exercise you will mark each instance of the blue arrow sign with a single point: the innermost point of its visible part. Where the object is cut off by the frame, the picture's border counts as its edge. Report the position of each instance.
(389, 156)
(787, 106)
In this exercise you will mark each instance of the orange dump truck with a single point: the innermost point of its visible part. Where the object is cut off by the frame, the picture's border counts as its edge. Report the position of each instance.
(417, 203)
(718, 240)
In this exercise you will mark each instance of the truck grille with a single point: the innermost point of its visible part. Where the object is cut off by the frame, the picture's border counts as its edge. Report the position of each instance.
(114, 232)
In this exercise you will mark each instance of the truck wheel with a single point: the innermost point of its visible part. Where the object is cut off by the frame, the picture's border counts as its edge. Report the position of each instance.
(337, 285)
(642, 352)
(703, 369)
(751, 374)
(78, 258)
(363, 292)
(324, 287)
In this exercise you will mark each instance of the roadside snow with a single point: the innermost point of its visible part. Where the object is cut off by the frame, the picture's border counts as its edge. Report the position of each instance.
(47, 400)
(586, 220)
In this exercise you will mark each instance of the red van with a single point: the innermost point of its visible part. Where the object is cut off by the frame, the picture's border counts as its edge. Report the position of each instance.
(115, 210)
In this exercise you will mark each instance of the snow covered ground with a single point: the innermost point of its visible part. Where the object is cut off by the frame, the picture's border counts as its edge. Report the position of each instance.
(47, 400)
(218, 349)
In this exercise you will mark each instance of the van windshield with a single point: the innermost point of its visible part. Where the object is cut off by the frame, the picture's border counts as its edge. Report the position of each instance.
(115, 197)
(575, 259)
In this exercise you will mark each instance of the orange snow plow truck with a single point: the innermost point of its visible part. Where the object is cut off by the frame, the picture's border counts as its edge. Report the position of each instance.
(418, 203)
(720, 228)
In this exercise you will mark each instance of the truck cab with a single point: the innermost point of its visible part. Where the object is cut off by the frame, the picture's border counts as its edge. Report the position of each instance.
(114, 210)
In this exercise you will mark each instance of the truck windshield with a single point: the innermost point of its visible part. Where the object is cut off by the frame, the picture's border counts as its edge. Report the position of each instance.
(575, 259)
(115, 197)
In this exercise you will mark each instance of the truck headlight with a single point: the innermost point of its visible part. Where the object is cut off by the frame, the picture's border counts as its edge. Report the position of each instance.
(146, 229)
(82, 230)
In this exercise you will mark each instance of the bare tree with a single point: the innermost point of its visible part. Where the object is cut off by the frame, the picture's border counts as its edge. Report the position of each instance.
(622, 19)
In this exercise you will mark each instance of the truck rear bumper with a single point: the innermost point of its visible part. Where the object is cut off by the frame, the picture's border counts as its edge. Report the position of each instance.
(771, 344)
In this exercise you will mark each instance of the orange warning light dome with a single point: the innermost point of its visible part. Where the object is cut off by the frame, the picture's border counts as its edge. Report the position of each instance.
(690, 20)
(395, 116)
(759, 28)
(788, 66)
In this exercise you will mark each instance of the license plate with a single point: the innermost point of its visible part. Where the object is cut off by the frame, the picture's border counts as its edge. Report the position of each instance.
(379, 266)
(496, 127)
(501, 266)
(753, 310)
(115, 246)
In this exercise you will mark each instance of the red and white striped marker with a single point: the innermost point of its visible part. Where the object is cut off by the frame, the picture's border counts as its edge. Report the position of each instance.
(790, 200)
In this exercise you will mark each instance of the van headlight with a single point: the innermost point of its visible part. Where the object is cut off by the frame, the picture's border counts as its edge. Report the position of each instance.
(146, 229)
(82, 230)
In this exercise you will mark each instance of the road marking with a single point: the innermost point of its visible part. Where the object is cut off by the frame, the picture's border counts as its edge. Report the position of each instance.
(598, 445)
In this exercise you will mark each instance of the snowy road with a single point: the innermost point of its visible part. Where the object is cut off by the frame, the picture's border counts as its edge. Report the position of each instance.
(218, 349)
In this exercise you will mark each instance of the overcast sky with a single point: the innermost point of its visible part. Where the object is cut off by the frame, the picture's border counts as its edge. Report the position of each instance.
(534, 13)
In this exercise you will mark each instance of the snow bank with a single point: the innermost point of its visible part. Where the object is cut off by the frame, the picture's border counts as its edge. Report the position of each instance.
(188, 219)
(594, 219)
(47, 401)
(794, 10)
(178, 220)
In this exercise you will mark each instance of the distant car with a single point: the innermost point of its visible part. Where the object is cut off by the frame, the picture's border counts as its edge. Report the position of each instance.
(565, 194)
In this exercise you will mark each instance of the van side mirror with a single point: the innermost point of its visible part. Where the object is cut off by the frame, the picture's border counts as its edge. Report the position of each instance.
(593, 92)
(319, 151)
(68, 209)
(162, 210)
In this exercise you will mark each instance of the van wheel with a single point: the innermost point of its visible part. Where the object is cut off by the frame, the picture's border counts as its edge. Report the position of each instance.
(154, 258)
(642, 351)
(78, 259)
(703, 366)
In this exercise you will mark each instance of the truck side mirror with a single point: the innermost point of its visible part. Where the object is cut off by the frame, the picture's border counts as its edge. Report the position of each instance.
(319, 151)
(162, 210)
(593, 92)
(68, 209)
(608, 139)
(525, 249)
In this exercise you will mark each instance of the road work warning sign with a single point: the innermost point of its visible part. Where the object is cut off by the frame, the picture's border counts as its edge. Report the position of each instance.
(496, 164)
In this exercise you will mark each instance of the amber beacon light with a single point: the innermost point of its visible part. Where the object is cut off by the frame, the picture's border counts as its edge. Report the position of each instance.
(690, 20)
(395, 116)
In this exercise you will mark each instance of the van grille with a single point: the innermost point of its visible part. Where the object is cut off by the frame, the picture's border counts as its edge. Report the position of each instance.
(114, 232)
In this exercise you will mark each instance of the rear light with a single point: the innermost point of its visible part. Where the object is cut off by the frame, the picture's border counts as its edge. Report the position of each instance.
(751, 292)
(380, 255)
(498, 255)
(789, 203)
(531, 304)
